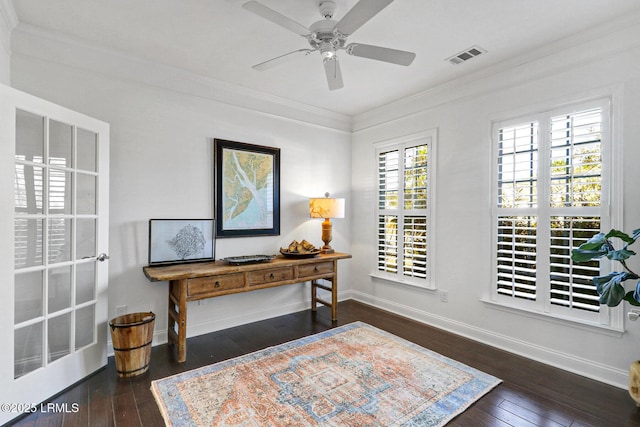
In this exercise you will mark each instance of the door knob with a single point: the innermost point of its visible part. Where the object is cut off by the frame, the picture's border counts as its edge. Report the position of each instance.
(102, 257)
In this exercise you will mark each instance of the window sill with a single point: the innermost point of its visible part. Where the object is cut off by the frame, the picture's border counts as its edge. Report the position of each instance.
(557, 319)
(395, 281)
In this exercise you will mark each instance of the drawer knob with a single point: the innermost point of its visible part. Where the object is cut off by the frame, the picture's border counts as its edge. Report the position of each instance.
(217, 284)
(271, 276)
(315, 269)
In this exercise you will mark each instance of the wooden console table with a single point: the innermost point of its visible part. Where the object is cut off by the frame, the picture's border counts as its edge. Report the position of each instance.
(191, 282)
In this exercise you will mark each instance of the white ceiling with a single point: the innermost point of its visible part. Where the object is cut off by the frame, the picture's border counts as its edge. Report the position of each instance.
(220, 40)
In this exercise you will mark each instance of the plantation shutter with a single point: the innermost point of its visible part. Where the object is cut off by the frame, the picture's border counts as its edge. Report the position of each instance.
(415, 201)
(517, 198)
(388, 167)
(549, 200)
(575, 185)
(403, 201)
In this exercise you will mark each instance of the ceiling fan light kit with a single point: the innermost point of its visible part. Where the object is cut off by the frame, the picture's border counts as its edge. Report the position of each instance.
(328, 37)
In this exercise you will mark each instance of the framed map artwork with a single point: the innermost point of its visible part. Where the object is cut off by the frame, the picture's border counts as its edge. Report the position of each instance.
(247, 184)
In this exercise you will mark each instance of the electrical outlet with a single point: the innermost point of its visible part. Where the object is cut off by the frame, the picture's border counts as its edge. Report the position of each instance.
(444, 296)
(121, 310)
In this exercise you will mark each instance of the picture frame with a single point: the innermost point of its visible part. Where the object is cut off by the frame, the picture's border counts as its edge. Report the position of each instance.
(177, 241)
(247, 189)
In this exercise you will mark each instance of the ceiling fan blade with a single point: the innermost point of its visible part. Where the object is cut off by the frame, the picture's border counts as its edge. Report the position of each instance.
(276, 17)
(334, 76)
(274, 62)
(385, 54)
(359, 14)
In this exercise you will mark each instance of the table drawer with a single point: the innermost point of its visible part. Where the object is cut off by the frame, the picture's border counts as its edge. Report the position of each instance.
(272, 275)
(211, 284)
(311, 270)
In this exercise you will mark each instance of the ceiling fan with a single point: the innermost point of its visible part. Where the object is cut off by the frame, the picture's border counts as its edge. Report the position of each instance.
(328, 37)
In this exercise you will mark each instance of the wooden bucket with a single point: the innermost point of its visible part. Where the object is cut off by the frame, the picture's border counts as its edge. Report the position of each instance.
(131, 335)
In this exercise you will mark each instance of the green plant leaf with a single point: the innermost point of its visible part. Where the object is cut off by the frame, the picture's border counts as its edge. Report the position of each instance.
(581, 255)
(634, 296)
(620, 255)
(629, 297)
(594, 243)
(620, 235)
(635, 235)
(594, 248)
(610, 288)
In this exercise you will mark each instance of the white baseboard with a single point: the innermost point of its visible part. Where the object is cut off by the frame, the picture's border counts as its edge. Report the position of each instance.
(581, 366)
(208, 326)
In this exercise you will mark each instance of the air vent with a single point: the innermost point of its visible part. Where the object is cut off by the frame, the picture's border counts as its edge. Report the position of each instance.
(466, 55)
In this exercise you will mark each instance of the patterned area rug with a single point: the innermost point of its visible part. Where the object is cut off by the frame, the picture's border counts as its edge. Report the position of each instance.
(354, 375)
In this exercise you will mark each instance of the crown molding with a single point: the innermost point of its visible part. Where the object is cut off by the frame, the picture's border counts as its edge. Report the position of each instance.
(34, 42)
(596, 44)
(8, 21)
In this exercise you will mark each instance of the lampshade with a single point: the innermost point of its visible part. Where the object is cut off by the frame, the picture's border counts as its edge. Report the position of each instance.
(326, 207)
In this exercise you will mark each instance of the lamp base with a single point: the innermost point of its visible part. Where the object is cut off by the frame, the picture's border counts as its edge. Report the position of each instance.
(326, 237)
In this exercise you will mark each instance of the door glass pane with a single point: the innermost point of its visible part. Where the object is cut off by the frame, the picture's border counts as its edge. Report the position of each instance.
(59, 337)
(60, 144)
(27, 242)
(59, 192)
(59, 288)
(87, 149)
(28, 296)
(29, 137)
(85, 321)
(85, 238)
(28, 349)
(28, 189)
(85, 279)
(86, 194)
(59, 240)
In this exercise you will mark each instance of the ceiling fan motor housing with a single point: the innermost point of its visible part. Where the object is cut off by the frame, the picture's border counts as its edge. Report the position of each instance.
(324, 37)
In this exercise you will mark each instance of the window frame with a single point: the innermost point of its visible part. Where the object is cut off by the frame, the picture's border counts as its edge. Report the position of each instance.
(610, 210)
(428, 138)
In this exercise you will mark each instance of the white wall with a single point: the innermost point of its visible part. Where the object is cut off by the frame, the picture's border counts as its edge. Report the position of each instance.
(4, 66)
(162, 167)
(8, 21)
(461, 112)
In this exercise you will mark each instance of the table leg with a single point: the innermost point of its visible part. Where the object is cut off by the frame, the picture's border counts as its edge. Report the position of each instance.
(334, 293)
(178, 316)
(314, 295)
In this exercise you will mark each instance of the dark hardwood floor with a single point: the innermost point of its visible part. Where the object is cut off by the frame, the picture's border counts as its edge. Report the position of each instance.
(532, 394)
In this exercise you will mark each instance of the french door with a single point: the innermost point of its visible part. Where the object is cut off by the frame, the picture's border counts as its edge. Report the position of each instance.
(54, 177)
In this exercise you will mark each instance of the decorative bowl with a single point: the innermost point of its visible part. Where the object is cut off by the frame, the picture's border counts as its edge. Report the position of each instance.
(309, 254)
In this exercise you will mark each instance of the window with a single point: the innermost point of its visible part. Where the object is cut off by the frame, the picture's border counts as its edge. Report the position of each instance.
(405, 195)
(551, 194)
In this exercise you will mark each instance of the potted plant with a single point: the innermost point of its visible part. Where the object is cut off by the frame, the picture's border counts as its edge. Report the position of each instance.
(610, 286)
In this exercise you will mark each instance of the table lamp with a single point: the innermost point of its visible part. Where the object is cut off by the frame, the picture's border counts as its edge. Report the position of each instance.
(326, 208)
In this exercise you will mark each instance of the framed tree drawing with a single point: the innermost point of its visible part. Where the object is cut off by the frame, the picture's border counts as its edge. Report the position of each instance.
(247, 185)
(181, 241)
